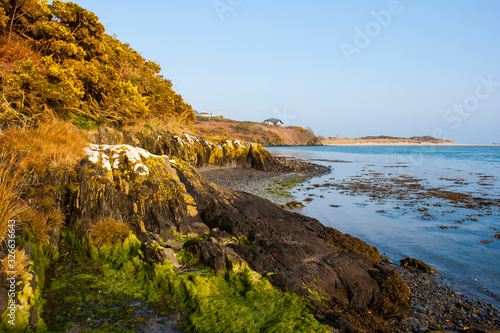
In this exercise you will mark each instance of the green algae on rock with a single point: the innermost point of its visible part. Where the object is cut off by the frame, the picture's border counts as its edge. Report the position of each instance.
(117, 277)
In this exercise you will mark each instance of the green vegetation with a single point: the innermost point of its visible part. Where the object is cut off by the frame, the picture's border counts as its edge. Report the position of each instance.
(56, 60)
(278, 190)
(105, 287)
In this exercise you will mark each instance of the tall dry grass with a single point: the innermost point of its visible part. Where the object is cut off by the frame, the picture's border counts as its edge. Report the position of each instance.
(36, 228)
(107, 231)
(19, 265)
(12, 181)
(53, 144)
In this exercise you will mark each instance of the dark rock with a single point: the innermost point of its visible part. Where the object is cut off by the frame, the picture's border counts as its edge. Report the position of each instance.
(292, 250)
(213, 255)
(176, 246)
(33, 318)
(208, 253)
(168, 238)
(201, 152)
(346, 242)
(168, 254)
(150, 252)
(221, 237)
(416, 264)
(33, 283)
(153, 202)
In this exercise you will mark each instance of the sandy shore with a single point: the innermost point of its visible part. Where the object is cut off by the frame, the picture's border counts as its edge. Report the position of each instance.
(435, 305)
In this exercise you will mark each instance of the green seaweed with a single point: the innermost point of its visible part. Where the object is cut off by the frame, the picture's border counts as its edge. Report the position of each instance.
(236, 301)
(279, 190)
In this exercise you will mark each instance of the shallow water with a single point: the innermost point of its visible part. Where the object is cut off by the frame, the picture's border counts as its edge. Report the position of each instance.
(456, 240)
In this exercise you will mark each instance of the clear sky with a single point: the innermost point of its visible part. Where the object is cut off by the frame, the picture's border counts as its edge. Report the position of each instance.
(347, 68)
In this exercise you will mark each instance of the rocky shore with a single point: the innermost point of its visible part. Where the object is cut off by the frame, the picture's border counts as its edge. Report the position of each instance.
(165, 198)
(435, 305)
(252, 180)
(228, 260)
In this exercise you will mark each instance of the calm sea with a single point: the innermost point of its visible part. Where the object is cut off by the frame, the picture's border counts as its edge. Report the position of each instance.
(458, 241)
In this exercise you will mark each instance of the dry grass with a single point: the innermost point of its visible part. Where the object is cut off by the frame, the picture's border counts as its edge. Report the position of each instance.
(11, 205)
(19, 265)
(173, 125)
(55, 218)
(52, 144)
(37, 228)
(107, 231)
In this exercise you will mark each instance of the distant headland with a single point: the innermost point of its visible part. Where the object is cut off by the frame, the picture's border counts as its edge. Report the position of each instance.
(385, 140)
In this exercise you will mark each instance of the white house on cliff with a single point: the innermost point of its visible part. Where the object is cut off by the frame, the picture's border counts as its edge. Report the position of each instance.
(273, 121)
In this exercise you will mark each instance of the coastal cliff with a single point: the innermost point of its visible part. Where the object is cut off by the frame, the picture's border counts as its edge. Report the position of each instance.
(267, 135)
(107, 226)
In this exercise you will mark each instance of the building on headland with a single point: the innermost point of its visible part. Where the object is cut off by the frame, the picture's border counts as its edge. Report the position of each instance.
(205, 114)
(273, 121)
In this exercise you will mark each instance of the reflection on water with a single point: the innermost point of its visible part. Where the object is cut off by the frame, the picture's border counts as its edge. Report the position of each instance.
(402, 200)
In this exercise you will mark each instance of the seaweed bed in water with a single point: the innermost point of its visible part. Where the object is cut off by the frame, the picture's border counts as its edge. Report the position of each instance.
(414, 195)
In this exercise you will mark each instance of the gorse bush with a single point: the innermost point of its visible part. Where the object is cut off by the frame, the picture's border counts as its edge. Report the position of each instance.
(70, 67)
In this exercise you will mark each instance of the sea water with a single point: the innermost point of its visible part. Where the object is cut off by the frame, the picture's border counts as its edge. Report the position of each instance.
(459, 242)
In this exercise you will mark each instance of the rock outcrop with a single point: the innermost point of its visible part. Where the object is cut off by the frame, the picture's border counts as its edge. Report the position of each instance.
(160, 196)
(202, 152)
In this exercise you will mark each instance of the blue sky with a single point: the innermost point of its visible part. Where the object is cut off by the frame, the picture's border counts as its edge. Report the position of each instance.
(347, 68)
